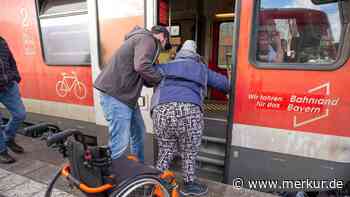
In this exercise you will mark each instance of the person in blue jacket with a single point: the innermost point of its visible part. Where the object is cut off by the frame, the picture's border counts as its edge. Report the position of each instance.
(177, 112)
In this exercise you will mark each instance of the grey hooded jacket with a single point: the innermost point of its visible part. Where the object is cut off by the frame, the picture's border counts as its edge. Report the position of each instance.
(130, 67)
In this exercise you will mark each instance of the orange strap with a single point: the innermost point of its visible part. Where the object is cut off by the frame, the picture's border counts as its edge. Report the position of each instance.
(94, 190)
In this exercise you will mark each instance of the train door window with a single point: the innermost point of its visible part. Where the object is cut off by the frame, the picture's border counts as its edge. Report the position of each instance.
(225, 44)
(297, 34)
(64, 32)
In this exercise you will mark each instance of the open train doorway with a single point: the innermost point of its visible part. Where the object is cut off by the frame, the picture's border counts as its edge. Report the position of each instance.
(210, 24)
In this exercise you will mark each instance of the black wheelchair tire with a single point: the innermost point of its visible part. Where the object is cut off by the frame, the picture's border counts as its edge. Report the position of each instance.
(126, 189)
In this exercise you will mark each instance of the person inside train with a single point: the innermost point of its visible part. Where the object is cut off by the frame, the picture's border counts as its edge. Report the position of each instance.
(284, 46)
(287, 57)
(177, 112)
(269, 43)
(173, 52)
(10, 97)
(120, 84)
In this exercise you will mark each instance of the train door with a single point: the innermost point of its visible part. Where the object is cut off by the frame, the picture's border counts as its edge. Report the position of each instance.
(110, 21)
(210, 24)
(291, 114)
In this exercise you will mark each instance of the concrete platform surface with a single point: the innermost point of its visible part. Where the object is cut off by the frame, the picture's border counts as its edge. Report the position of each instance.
(34, 169)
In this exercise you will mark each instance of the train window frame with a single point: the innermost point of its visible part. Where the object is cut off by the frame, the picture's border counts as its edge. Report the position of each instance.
(319, 2)
(223, 67)
(40, 15)
(342, 56)
(158, 10)
(42, 3)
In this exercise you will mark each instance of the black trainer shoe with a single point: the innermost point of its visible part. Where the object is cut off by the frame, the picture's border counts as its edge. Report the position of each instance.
(6, 158)
(194, 188)
(11, 144)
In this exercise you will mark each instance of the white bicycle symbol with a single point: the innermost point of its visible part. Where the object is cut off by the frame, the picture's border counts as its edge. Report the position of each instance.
(63, 87)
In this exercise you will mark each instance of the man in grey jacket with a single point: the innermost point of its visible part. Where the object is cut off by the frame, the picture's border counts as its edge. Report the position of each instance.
(120, 84)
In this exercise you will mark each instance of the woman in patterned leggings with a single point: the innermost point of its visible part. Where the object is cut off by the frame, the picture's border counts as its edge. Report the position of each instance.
(178, 115)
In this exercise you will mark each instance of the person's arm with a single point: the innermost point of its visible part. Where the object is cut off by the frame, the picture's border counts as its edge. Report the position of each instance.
(158, 67)
(3, 81)
(144, 53)
(279, 52)
(13, 71)
(218, 81)
(14, 67)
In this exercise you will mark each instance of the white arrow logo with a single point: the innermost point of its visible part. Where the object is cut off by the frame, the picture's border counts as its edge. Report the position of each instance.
(302, 123)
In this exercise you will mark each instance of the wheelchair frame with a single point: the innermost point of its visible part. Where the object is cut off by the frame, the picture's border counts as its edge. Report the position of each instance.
(164, 185)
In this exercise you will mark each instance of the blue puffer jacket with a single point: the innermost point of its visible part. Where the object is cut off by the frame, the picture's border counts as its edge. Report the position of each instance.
(185, 79)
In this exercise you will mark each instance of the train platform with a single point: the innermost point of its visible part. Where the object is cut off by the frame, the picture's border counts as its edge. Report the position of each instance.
(34, 169)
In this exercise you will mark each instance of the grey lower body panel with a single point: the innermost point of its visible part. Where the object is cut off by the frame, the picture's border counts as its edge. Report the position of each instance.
(250, 164)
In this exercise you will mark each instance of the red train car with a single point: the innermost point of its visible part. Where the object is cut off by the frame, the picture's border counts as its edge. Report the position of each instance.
(288, 114)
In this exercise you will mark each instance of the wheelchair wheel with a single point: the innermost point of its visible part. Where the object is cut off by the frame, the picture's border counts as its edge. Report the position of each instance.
(143, 187)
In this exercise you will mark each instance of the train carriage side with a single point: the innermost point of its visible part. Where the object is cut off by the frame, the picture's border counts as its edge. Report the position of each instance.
(291, 104)
(53, 42)
(289, 108)
(50, 42)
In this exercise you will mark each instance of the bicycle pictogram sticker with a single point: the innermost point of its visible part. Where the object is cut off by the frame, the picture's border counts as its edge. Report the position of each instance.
(71, 83)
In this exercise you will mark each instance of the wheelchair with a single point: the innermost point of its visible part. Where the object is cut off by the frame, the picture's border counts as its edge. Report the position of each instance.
(91, 170)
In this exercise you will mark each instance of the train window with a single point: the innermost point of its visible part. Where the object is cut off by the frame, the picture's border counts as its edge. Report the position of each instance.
(64, 31)
(225, 44)
(62, 6)
(297, 34)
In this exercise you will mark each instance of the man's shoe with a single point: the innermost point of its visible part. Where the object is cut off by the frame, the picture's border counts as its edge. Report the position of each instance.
(11, 144)
(194, 188)
(6, 158)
